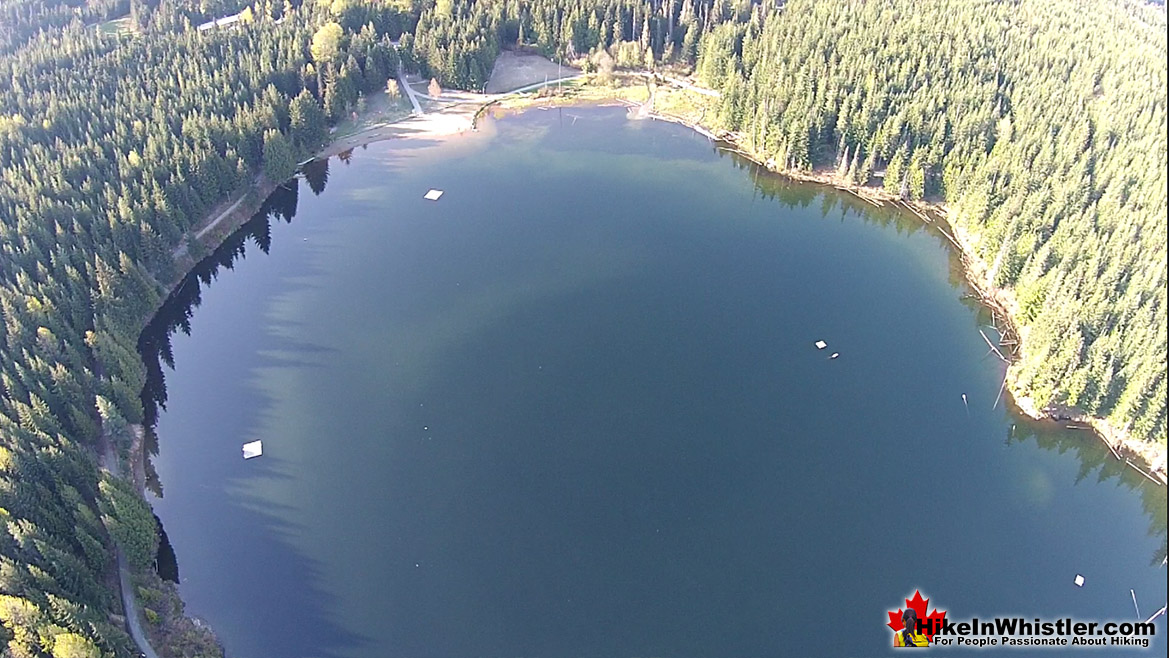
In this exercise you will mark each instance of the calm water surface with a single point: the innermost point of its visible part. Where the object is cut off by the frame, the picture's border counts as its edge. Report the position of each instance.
(574, 409)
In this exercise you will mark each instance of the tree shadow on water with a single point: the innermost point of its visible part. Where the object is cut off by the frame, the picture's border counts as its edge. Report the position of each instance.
(260, 592)
(1095, 458)
(276, 607)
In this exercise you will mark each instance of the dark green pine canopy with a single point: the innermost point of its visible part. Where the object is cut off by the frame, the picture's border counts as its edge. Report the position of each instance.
(1041, 124)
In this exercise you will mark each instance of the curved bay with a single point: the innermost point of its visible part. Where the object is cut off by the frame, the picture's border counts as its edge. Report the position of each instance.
(574, 408)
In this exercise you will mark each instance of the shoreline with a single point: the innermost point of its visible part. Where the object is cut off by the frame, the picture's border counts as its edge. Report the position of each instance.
(221, 221)
(244, 204)
(1146, 458)
(464, 113)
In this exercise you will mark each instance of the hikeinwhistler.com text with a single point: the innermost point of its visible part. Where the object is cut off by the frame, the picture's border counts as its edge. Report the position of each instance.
(1005, 632)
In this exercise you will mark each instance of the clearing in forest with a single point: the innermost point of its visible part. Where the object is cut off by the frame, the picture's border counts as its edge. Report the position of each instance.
(514, 70)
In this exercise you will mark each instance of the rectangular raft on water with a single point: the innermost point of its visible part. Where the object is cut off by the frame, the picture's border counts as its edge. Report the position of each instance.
(253, 449)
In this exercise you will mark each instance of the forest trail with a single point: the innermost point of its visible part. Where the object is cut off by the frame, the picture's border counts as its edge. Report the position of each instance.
(130, 604)
(109, 462)
(409, 91)
(215, 222)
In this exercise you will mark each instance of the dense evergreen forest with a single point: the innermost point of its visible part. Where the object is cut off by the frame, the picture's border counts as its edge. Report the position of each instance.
(1041, 124)
(113, 144)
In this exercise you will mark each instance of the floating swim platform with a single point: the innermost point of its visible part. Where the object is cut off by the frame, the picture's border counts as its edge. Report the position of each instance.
(253, 449)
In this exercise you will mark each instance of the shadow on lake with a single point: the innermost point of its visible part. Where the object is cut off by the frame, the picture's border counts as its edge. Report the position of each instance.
(302, 611)
(308, 631)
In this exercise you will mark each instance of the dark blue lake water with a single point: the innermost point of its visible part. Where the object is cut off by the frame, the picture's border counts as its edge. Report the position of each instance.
(574, 408)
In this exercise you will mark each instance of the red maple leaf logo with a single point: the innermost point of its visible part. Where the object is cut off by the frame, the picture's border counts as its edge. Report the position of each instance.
(919, 606)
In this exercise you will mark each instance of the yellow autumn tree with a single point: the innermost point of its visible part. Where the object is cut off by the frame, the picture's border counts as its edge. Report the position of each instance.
(327, 42)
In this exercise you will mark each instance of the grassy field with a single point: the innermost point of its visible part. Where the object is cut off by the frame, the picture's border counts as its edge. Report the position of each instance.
(666, 100)
(116, 27)
(514, 70)
(687, 105)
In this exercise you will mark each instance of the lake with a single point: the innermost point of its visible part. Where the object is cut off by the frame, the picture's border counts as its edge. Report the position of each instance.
(575, 408)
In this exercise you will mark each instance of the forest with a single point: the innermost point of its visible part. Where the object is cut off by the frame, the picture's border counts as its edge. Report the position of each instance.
(113, 145)
(1042, 126)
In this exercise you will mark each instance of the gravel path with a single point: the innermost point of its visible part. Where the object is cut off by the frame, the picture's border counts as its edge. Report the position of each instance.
(129, 604)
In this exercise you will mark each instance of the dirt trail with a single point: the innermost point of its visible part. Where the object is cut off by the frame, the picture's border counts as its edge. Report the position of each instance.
(109, 462)
(409, 91)
(215, 222)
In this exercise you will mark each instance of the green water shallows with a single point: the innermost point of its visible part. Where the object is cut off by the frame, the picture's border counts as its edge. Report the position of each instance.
(574, 408)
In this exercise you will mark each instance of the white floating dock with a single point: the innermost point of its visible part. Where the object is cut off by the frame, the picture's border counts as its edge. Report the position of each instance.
(1079, 580)
(433, 195)
(253, 449)
(821, 344)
